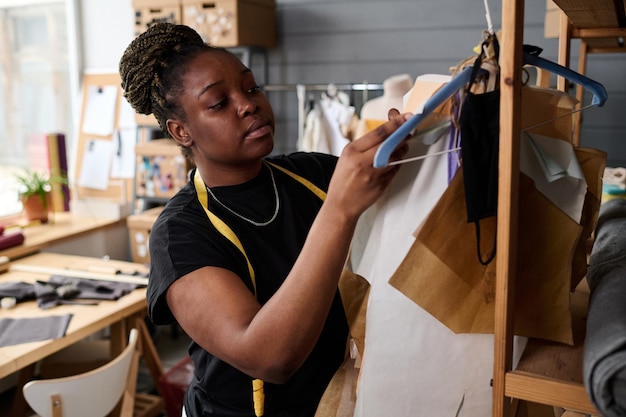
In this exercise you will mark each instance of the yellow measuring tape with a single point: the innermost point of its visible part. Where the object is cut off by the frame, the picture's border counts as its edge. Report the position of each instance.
(258, 394)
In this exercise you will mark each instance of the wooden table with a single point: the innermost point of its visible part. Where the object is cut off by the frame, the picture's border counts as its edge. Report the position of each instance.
(62, 227)
(128, 311)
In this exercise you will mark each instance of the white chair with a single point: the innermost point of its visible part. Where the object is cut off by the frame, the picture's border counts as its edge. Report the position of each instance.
(94, 393)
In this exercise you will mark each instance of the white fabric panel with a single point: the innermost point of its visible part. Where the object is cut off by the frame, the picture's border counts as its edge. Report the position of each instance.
(413, 365)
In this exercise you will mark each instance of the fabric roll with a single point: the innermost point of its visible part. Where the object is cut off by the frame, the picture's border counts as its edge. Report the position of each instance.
(604, 360)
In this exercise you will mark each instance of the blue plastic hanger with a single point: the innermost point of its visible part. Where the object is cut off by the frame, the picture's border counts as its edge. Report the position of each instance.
(381, 159)
(530, 57)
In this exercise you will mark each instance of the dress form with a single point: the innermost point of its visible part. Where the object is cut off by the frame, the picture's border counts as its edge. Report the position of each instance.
(374, 111)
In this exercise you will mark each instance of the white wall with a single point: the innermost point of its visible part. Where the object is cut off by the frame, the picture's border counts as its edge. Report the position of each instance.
(107, 27)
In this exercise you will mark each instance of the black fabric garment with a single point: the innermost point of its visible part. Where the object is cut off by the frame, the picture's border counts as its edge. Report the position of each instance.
(479, 150)
(69, 290)
(93, 289)
(480, 136)
(604, 358)
(49, 295)
(183, 240)
(22, 291)
(65, 290)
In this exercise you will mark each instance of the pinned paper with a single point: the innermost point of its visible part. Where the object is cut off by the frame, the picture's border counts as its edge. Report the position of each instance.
(100, 110)
(126, 119)
(96, 164)
(123, 164)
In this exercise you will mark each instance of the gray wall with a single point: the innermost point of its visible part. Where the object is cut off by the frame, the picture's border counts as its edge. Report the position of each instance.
(349, 41)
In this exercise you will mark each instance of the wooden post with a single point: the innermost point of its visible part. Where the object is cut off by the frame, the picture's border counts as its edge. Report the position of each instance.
(508, 179)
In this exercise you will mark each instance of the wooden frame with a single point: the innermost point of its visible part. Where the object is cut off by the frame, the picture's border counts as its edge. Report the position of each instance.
(118, 189)
(532, 380)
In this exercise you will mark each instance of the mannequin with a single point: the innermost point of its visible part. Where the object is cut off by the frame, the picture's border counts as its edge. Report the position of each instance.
(374, 111)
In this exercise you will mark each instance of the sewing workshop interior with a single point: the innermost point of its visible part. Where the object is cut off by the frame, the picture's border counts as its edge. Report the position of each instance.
(312, 208)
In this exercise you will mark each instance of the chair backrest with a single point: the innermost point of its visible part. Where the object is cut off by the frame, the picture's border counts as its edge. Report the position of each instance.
(94, 393)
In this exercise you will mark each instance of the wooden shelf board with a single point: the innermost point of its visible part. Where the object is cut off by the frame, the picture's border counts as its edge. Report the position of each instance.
(550, 372)
(543, 390)
(598, 33)
(602, 40)
(592, 13)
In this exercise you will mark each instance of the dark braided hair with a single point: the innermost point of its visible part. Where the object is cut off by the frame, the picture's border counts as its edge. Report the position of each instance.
(152, 67)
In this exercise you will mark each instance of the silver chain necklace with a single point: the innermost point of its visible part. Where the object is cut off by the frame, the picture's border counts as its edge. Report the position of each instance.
(259, 224)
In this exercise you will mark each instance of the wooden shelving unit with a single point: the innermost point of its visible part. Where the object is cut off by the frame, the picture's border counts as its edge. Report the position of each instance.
(548, 373)
(600, 25)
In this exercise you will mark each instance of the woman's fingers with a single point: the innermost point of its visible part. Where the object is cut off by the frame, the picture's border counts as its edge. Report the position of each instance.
(392, 113)
(403, 147)
(382, 132)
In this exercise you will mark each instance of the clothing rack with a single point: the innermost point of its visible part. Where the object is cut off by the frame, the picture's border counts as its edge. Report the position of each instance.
(364, 87)
(302, 91)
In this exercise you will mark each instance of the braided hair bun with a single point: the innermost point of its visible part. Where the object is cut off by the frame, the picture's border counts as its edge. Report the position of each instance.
(152, 65)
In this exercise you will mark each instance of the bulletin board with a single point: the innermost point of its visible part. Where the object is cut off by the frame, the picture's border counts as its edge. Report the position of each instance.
(106, 139)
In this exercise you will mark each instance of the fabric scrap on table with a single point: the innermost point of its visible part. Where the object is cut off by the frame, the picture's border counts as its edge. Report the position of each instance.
(59, 290)
(34, 329)
(22, 291)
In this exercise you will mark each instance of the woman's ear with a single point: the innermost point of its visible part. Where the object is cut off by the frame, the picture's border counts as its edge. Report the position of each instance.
(179, 133)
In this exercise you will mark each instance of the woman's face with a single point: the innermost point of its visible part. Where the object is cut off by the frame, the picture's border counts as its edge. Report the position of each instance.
(228, 120)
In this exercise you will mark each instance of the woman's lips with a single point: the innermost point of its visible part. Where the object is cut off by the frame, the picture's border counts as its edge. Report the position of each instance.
(258, 131)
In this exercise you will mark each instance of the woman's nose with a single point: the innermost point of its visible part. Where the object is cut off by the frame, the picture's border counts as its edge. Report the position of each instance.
(247, 106)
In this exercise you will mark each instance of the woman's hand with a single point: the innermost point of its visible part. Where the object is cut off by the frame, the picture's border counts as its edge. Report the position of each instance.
(356, 184)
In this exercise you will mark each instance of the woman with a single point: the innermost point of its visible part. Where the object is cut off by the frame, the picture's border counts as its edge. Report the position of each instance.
(247, 256)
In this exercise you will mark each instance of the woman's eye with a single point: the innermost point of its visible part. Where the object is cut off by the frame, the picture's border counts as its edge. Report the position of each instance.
(218, 105)
(255, 89)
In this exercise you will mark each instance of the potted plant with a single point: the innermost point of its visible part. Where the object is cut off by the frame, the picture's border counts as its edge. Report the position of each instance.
(34, 193)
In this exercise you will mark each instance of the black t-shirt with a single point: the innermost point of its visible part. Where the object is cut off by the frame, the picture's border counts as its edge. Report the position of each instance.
(183, 240)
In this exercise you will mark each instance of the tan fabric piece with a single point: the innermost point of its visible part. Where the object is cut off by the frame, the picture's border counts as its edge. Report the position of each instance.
(444, 277)
(354, 292)
(339, 399)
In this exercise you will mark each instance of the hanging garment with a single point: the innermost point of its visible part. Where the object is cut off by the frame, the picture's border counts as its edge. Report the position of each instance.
(551, 243)
(479, 125)
(328, 124)
(445, 278)
(413, 364)
(314, 137)
(338, 117)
